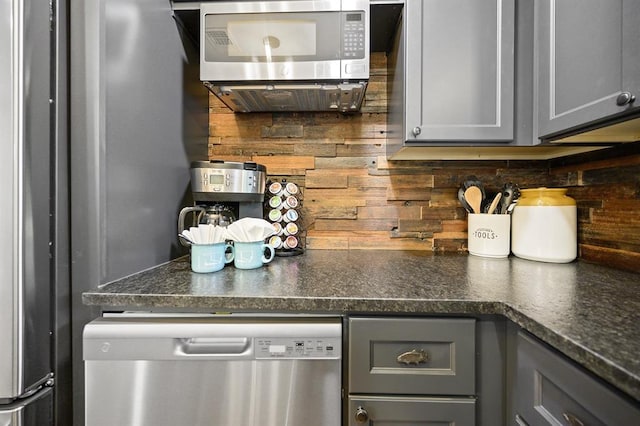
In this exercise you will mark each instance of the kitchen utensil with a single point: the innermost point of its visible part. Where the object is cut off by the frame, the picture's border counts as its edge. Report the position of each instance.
(473, 195)
(510, 193)
(462, 200)
(472, 180)
(494, 203)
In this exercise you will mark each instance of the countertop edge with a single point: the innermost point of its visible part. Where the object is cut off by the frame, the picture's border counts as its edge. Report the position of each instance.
(585, 357)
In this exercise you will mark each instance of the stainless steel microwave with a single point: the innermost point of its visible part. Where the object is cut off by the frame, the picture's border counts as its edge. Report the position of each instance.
(309, 46)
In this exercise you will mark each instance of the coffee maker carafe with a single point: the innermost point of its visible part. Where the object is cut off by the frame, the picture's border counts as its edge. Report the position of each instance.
(217, 214)
(224, 191)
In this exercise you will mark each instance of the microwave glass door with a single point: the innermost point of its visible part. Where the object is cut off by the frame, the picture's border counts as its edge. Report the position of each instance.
(273, 37)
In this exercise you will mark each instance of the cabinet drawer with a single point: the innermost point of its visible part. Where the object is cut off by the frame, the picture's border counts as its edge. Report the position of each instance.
(390, 410)
(377, 347)
(553, 391)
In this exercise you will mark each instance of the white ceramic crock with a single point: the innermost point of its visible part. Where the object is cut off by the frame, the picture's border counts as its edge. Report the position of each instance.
(544, 226)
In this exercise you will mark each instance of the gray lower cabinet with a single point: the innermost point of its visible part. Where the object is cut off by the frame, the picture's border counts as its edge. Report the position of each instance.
(412, 371)
(550, 390)
(588, 62)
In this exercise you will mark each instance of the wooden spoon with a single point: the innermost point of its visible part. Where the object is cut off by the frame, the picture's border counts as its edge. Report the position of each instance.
(494, 203)
(473, 195)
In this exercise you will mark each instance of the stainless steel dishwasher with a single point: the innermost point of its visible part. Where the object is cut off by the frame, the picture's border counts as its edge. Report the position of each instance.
(193, 370)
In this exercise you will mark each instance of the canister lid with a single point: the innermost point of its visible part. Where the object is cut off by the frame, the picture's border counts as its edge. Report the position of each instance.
(545, 197)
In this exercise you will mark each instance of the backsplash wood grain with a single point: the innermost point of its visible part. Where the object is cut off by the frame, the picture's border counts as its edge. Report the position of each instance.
(354, 198)
(607, 190)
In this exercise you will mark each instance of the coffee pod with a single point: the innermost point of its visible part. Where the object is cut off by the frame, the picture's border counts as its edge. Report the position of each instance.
(290, 189)
(275, 202)
(290, 242)
(275, 188)
(275, 215)
(291, 229)
(290, 202)
(277, 228)
(275, 241)
(290, 216)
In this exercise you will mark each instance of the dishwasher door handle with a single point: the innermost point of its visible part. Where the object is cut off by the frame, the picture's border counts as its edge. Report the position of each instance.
(212, 345)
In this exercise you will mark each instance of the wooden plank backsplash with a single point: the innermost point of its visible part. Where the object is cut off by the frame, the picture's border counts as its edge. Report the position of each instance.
(354, 198)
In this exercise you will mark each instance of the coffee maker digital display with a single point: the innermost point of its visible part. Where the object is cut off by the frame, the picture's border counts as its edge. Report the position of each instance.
(225, 191)
(216, 179)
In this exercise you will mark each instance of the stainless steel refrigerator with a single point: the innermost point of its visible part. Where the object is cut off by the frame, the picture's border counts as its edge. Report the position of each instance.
(100, 107)
(26, 260)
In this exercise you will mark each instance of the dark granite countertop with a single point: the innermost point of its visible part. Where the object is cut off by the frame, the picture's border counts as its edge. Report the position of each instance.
(588, 312)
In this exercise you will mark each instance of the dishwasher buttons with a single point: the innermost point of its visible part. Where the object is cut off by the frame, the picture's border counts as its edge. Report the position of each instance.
(296, 348)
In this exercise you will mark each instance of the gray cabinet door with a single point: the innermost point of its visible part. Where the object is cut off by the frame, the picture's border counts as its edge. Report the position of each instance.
(412, 356)
(552, 391)
(459, 70)
(589, 55)
(402, 411)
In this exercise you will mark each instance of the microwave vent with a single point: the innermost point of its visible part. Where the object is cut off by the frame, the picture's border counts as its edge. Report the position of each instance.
(342, 97)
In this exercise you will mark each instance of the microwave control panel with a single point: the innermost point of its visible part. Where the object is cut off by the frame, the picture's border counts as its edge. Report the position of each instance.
(353, 35)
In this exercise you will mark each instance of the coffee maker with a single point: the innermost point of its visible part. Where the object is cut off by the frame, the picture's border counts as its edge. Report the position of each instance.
(224, 191)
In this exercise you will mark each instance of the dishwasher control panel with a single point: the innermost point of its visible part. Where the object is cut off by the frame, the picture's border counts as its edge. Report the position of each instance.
(307, 347)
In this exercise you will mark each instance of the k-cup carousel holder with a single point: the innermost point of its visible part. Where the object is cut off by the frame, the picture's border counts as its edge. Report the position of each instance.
(282, 209)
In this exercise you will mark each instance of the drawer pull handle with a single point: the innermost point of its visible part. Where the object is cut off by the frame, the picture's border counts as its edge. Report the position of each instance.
(361, 415)
(415, 357)
(572, 420)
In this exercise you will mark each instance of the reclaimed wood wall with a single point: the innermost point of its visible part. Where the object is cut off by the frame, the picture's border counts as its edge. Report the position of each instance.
(354, 198)
(606, 186)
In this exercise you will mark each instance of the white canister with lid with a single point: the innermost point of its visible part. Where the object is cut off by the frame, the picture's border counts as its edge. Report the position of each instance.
(544, 226)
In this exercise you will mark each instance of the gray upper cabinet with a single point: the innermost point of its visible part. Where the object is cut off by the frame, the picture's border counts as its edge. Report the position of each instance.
(459, 70)
(588, 62)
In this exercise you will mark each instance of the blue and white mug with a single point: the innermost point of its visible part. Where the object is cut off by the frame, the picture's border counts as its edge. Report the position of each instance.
(250, 255)
(207, 258)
